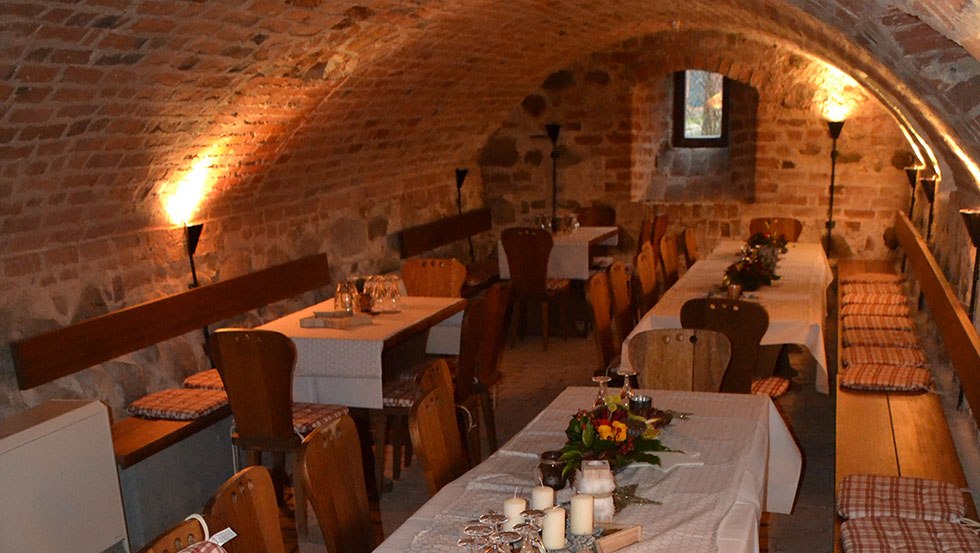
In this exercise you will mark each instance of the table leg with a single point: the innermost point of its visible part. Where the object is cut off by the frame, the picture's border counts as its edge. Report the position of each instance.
(378, 423)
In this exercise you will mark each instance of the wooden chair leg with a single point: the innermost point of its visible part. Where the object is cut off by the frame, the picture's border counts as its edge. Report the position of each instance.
(514, 316)
(563, 314)
(397, 440)
(545, 308)
(487, 416)
(299, 498)
(409, 451)
(378, 427)
(279, 476)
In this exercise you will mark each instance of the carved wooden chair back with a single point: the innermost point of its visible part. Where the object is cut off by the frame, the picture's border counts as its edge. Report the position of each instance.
(619, 283)
(471, 333)
(497, 298)
(786, 226)
(743, 322)
(680, 359)
(668, 260)
(659, 231)
(690, 246)
(436, 438)
(435, 374)
(646, 274)
(601, 302)
(247, 503)
(527, 250)
(332, 472)
(646, 234)
(180, 536)
(443, 278)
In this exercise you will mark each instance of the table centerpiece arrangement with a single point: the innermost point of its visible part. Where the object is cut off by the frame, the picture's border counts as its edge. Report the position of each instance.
(755, 265)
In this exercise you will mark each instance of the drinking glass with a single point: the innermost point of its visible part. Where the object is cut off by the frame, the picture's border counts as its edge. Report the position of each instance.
(343, 300)
(627, 391)
(392, 293)
(494, 520)
(602, 380)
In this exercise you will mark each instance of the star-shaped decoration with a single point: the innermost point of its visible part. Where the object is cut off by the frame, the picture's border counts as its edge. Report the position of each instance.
(626, 495)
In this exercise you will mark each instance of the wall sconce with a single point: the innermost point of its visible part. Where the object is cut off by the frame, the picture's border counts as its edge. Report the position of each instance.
(553, 130)
(835, 128)
(912, 174)
(192, 235)
(971, 218)
(460, 177)
(929, 188)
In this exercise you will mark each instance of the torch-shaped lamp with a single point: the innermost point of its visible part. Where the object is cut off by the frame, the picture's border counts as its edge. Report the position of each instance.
(192, 235)
(971, 217)
(460, 177)
(912, 174)
(929, 188)
(553, 130)
(835, 128)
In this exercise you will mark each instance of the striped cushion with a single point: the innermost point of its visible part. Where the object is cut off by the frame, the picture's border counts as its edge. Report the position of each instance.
(891, 534)
(886, 378)
(875, 309)
(871, 495)
(399, 393)
(556, 284)
(878, 299)
(872, 289)
(879, 337)
(903, 357)
(772, 386)
(203, 547)
(178, 404)
(308, 416)
(872, 278)
(205, 380)
(874, 321)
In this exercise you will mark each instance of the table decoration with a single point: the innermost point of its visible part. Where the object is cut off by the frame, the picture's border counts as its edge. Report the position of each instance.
(582, 506)
(552, 469)
(755, 265)
(553, 531)
(513, 507)
(542, 497)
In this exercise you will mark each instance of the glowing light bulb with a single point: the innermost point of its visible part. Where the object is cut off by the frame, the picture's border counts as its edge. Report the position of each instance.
(184, 201)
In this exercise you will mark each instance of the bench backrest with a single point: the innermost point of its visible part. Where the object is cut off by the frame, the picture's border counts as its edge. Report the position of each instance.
(57, 353)
(959, 336)
(423, 238)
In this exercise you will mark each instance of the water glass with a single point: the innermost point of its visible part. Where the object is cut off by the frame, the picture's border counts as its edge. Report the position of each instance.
(343, 299)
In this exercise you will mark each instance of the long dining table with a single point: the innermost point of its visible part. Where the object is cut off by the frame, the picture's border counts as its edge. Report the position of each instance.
(796, 303)
(735, 459)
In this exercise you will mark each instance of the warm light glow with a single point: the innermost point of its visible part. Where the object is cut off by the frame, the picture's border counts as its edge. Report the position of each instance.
(837, 94)
(189, 192)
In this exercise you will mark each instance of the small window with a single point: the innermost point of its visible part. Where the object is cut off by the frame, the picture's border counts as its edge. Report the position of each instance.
(700, 109)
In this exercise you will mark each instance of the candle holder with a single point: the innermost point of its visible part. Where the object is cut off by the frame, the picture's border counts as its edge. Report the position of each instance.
(971, 218)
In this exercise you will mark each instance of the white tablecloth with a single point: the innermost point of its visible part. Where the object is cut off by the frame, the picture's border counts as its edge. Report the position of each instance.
(570, 253)
(344, 366)
(796, 303)
(750, 463)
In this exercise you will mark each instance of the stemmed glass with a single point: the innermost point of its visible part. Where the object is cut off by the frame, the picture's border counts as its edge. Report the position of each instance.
(602, 380)
(626, 372)
(494, 520)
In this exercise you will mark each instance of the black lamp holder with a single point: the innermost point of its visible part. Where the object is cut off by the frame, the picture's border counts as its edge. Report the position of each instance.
(929, 188)
(553, 130)
(835, 128)
(460, 177)
(192, 235)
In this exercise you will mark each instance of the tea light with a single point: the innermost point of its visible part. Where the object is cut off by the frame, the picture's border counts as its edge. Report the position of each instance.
(582, 514)
(542, 497)
(513, 506)
(553, 532)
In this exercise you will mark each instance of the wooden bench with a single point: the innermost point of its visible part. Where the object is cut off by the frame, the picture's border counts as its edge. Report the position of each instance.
(906, 434)
(424, 238)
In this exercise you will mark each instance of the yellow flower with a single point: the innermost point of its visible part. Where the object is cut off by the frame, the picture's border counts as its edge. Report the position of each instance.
(620, 431)
(605, 431)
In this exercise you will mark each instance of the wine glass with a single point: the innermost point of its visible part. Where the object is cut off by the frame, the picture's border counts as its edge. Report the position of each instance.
(472, 544)
(494, 520)
(626, 372)
(391, 293)
(602, 380)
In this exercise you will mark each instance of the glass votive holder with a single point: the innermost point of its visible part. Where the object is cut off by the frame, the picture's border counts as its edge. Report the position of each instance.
(551, 470)
(640, 405)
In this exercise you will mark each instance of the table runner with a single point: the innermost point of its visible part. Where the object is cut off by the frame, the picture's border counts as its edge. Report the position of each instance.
(796, 303)
(750, 463)
(570, 254)
(343, 366)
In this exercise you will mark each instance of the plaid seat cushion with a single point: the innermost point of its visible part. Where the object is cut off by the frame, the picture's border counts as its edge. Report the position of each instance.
(872, 495)
(178, 404)
(875, 321)
(886, 378)
(772, 386)
(556, 284)
(205, 380)
(888, 310)
(879, 337)
(308, 416)
(878, 299)
(889, 534)
(203, 547)
(399, 393)
(871, 278)
(876, 288)
(903, 357)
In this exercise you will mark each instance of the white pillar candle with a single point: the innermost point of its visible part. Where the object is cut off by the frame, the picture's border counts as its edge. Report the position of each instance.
(553, 532)
(513, 507)
(542, 497)
(581, 523)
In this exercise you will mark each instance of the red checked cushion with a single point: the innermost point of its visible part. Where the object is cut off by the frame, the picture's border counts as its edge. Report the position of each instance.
(399, 393)
(872, 321)
(772, 386)
(203, 547)
(556, 284)
(875, 309)
(205, 380)
(871, 495)
(877, 299)
(307, 416)
(903, 357)
(879, 337)
(872, 278)
(178, 404)
(890, 534)
(886, 378)
(878, 288)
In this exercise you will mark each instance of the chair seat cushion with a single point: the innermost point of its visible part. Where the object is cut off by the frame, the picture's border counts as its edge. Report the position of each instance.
(399, 393)
(876, 299)
(309, 416)
(870, 278)
(178, 404)
(772, 386)
(879, 337)
(872, 495)
(557, 284)
(205, 380)
(886, 378)
(602, 262)
(876, 309)
(875, 321)
(903, 357)
(890, 534)
(873, 288)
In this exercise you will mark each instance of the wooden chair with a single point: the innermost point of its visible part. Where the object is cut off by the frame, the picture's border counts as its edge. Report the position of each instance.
(680, 359)
(659, 230)
(435, 435)
(443, 278)
(619, 283)
(333, 477)
(690, 246)
(487, 372)
(646, 234)
(527, 250)
(743, 322)
(180, 536)
(646, 274)
(668, 260)
(247, 504)
(785, 226)
(256, 367)
(597, 292)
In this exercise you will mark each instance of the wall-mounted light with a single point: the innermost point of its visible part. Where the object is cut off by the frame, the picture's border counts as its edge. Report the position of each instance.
(192, 235)
(835, 128)
(460, 177)
(553, 129)
(929, 188)
(971, 218)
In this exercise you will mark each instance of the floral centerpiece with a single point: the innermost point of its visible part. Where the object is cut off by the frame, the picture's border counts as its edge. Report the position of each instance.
(611, 432)
(756, 263)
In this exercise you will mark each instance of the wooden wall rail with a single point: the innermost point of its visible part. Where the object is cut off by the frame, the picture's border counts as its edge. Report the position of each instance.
(61, 352)
(959, 335)
(423, 238)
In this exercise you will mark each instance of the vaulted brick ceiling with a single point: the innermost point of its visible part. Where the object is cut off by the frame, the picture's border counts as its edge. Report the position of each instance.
(106, 102)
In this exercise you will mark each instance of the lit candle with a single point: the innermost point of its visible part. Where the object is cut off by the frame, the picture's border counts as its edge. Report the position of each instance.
(582, 514)
(542, 497)
(513, 506)
(553, 532)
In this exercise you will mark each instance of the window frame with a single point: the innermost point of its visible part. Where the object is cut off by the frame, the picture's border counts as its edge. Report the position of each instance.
(678, 139)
